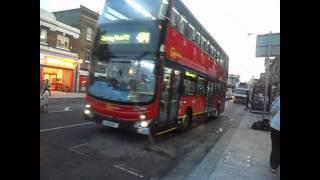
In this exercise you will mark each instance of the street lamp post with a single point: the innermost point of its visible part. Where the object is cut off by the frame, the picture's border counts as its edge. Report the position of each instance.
(267, 78)
(267, 74)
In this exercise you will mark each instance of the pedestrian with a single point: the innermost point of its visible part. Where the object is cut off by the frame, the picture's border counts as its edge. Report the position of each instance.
(275, 135)
(247, 101)
(47, 87)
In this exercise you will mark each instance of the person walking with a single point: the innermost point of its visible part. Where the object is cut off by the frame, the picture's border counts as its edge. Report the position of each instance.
(247, 101)
(47, 87)
(275, 135)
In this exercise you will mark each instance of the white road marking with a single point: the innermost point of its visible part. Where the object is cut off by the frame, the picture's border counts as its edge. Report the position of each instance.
(76, 151)
(51, 129)
(79, 145)
(67, 108)
(59, 111)
(128, 171)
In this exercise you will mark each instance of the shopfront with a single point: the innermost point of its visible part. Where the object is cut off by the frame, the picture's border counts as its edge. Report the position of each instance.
(60, 71)
(83, 80)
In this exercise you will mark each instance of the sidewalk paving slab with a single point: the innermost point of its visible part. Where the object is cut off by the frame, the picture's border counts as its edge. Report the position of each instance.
(246, 156)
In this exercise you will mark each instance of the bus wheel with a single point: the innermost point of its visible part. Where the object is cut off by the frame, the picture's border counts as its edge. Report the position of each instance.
(186, 121)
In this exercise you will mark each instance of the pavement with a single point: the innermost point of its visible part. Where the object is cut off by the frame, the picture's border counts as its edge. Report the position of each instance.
(66, 95)
(241, 154)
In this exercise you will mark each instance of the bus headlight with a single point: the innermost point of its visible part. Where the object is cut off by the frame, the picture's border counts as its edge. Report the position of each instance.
(144, 124)
(87, 111)
(88, 105)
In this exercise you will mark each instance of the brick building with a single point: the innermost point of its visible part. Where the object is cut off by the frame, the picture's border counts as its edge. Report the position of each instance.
(85, 20)
(59, 49)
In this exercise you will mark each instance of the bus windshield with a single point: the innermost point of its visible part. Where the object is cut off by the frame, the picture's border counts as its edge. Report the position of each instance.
(124, 80)
(241, 91)
(116, 10)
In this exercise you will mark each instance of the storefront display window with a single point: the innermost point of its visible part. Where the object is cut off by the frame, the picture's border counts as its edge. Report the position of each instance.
(60, 79)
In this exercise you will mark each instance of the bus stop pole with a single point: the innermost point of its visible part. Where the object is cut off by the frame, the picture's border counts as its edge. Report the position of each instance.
(267, 78)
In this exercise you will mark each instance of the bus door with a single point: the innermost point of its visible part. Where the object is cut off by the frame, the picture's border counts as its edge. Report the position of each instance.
(209, 99)
(169, 95)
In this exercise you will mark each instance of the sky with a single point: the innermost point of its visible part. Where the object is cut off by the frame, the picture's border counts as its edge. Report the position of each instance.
(228, 21)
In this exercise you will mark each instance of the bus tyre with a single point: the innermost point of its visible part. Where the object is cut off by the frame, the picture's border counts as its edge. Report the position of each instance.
(186, 121)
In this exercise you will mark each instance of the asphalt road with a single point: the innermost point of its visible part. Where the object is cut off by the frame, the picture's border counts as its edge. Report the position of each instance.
(73, 148)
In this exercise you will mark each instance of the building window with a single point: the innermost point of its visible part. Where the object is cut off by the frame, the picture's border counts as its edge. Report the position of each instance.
(43, 36)
(62, 41)
(89, 34)
(87, 55)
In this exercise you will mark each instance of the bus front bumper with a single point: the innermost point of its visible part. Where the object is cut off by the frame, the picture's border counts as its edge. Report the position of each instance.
(139, 126)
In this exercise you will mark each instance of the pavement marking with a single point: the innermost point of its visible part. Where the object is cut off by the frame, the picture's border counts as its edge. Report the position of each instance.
(67, 108)
(77, 151)
(128, 171)
(59, 111)
(62, 127)
(80, 145)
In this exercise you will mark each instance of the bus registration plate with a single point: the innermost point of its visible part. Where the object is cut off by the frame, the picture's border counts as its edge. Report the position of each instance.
(111, 124)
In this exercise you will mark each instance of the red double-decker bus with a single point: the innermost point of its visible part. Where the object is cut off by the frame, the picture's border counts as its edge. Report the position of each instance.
(154, 68)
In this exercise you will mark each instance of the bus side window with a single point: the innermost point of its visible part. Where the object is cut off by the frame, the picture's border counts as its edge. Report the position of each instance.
(203, 43)
(198, 39)
(208, 47)
(189, 86)
(201, 86)
(175, 16)
(183, 26)
(191, 33)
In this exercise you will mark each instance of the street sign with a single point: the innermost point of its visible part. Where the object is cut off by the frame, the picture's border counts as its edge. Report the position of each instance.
(263, 44)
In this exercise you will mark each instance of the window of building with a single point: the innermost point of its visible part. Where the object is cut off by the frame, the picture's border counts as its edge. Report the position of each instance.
(201, 91)
(43, 36)
(62, 41)
(87, 54)
(89, 34)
